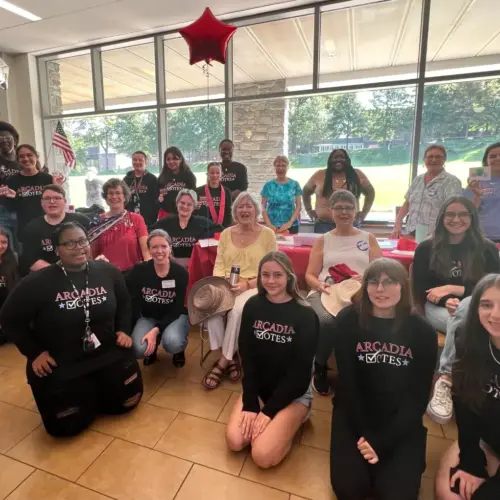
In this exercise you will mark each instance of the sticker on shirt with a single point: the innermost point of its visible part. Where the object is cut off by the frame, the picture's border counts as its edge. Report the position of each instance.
(384, 353)
(76, 299)
(275, 332)
(493, 388)
(47, 245)
(363, 245)
(168, 284)
(155, 296)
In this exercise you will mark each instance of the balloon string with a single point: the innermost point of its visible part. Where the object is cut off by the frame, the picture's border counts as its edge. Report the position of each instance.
(206, 70)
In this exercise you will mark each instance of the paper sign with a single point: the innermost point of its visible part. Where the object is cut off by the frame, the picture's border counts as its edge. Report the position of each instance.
(480, 174)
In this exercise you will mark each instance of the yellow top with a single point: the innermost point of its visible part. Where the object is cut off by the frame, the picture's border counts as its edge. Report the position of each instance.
(247, 258)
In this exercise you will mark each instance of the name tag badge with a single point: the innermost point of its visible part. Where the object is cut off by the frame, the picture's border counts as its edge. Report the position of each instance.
(168, 284)
(95, 341)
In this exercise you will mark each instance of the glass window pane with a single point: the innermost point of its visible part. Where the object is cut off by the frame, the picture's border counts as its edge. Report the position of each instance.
(197, 132)
(104, 145)
(129, 76)
(69, 82)
(273, 57)
(189, 83)
(463, 37)
(369, 44)
(463, 116)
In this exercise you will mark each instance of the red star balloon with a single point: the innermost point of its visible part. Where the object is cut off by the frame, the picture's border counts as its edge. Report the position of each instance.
(207, 38)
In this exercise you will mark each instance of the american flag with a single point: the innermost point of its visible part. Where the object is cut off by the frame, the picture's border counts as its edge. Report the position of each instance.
(61, 141)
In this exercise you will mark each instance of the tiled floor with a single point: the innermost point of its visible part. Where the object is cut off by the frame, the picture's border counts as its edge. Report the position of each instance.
(171, 447)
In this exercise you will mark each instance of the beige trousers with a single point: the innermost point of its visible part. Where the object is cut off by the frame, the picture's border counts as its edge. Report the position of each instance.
(223, 330)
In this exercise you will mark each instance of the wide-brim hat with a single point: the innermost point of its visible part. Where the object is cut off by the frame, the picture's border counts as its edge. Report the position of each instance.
(341, 295)
(209, 296)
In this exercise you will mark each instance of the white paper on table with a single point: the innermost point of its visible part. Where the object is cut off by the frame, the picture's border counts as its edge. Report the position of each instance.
(209, 243)
(286, 241)
(403, 252)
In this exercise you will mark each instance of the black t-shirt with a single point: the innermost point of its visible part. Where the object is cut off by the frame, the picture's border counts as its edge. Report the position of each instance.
(277, 343)
(235, 177)
(44, 313)
(161, 299)
(385, 376)
(8, 168)
(37, 240)
(203, 210)
(28, 200)
(183, 240)
(144, 195)
(170, 186)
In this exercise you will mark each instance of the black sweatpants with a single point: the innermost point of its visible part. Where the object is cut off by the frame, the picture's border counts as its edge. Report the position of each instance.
(326, 330)
(396, 476)
(67, 407)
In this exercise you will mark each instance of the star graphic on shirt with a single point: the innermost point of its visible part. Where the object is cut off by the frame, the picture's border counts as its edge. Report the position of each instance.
(104, 299)
(405, 362)
(361, 357)
(61, 305)
(289, 339)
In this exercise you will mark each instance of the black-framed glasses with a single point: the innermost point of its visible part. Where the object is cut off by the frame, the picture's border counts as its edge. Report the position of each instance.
(73, 244)
(386, 283)
(347, 210)
(460, 215)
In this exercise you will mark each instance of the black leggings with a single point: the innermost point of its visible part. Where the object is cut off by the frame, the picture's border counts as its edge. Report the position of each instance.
(396, 476)
(68, 407)
(326, 329)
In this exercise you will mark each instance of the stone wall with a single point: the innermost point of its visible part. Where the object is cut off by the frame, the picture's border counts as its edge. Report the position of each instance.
(259, 131)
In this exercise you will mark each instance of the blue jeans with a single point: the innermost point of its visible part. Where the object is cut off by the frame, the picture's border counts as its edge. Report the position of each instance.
(437, 316)
(173, 338)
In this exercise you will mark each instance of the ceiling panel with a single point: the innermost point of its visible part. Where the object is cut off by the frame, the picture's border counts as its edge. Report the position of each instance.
(8, 19)
(335, 42)
(407, 50)
(50, 8)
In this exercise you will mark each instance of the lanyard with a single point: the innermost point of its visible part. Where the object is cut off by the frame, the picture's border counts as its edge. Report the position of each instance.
(135, 193)
(218, 219)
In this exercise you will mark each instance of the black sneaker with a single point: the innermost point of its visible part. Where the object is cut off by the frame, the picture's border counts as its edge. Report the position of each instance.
(149, 360)
(320, 380)
(179, 359)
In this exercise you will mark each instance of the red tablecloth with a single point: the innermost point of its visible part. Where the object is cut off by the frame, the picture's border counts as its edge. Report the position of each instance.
(202, 262)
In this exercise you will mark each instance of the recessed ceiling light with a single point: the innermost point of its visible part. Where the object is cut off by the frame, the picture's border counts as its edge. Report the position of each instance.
(18, 10)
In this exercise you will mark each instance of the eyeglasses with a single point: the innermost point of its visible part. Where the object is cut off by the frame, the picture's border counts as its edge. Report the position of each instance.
(6, 138)
(460, 215)
(49, 199)
(340, 210)
(72, 244)
(435, 157)
(386, 283)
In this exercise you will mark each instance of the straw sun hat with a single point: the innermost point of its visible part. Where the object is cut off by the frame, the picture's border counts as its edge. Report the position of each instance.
(341, 295)
(209, 296)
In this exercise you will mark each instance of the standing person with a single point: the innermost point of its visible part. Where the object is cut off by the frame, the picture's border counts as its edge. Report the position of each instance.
(39, 252)
(9, 273)
(446, 268)
(121, 236)
(72, 322)
(470, 469)
(158, 290)
(276, 344)
(281, 200)
(93, 188)
(234, 174)
(426, 195)
(9, 139)
(346, 245)
(214, 199)
(385, 356)
(339, 174)
(175, 175)
(486, 194)
(143, 189)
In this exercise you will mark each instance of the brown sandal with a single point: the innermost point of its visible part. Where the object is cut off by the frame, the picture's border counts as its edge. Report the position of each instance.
(214, 375)
(233, 370)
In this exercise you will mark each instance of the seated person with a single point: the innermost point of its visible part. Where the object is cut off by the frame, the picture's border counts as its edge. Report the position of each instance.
(446, 268)
(243, 244)
(386, 357)
(186, 229)
(344, 245)
(72, 322)
(158, 291)
(277, 394)
(470, 469)
(38, 249)
(214, 199)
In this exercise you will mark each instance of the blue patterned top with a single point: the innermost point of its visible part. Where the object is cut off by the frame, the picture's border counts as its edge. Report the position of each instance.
(281, 201)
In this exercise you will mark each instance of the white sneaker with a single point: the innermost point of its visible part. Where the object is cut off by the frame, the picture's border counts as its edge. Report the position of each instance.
(440, 407)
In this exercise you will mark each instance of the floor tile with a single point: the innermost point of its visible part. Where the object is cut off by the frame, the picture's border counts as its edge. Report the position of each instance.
(31, 406)
(153, 377)
(144, 425)
(64, 457)
(435, 449)
(450, 430)
(150, 475)
(226, 412)
(193, 341)
(12, 474)
(426, 489)
(15, 424)
(433, 429)
(201, 441)
(43, 486)
(14, 388)
(317, 430)
(10, 357)
(208, 484)
(322, 403)
(305, 472)
(191, 398)
(295, 497)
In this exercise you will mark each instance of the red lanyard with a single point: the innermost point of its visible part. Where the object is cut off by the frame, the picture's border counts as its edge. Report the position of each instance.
(222, 207)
